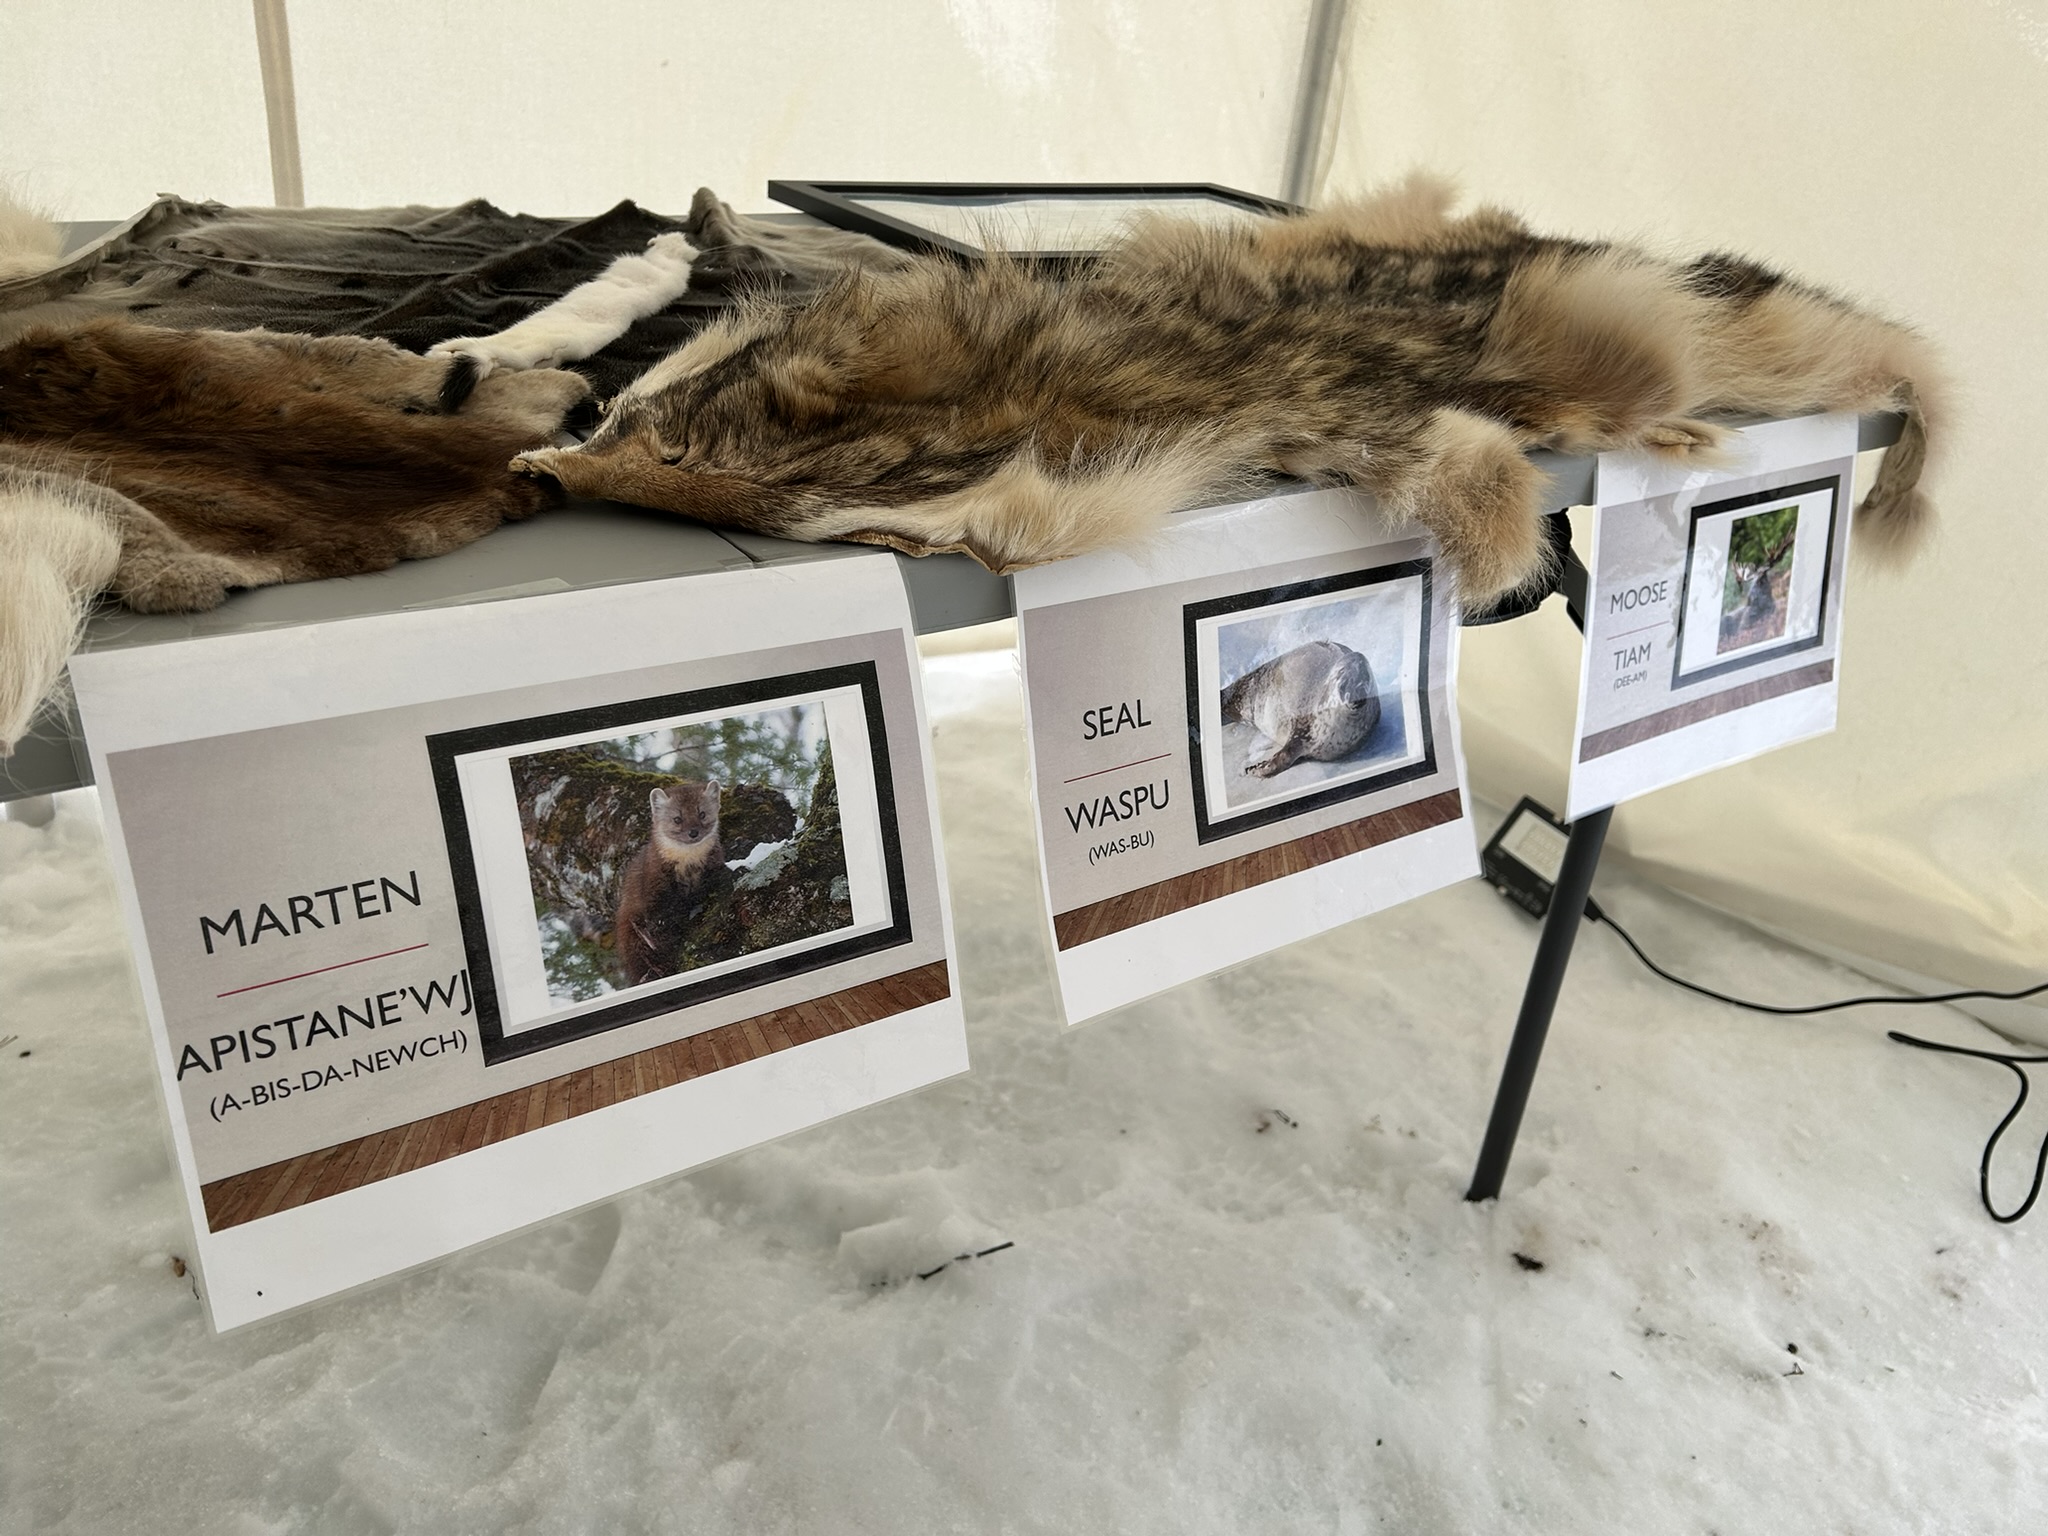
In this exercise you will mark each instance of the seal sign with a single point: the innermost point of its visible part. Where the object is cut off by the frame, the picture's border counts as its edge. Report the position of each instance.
(1317, 701)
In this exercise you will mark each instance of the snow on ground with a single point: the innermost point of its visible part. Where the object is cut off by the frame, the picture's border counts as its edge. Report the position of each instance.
(1245, 1295)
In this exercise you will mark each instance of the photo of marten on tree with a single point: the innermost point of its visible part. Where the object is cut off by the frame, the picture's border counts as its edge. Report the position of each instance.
(1756, 593)
(661, 852)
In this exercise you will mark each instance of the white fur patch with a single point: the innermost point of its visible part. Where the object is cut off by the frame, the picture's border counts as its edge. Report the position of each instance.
(588, 318)
(29, 242)
(56, 552)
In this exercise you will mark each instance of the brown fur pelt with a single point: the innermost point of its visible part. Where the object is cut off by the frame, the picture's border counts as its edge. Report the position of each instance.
(237, 459)
(1384, 343)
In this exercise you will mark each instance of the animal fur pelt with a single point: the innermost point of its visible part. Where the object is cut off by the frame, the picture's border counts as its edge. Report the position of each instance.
(158, 442)
(1385, 343)
(414, 276)
(60, 541)
(236, 459)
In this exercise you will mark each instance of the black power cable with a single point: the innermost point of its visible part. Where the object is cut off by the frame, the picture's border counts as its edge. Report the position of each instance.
(1991, 1146)
(1595, 914)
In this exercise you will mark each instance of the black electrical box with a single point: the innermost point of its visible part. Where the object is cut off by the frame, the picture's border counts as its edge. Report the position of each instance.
(1524, 857)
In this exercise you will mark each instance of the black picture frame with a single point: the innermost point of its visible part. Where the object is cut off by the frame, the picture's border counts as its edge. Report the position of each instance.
(1207, 831)
(444, 748)
(837, 203)
(1832, 484)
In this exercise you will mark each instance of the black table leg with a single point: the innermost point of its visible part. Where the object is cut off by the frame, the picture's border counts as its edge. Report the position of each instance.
(1546, 976)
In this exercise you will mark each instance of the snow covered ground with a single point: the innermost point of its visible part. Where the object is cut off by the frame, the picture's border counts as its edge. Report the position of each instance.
(1244, 1294)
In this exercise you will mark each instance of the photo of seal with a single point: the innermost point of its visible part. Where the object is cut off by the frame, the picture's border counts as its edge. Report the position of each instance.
(1318, 701)
(1307, 694)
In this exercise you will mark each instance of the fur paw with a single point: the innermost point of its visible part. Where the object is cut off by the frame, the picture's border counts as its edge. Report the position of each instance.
(1481, 498)
(534, 402)
(670, 250)
(184, 581)
(476, 348)
(1691, 442)
(526, 345)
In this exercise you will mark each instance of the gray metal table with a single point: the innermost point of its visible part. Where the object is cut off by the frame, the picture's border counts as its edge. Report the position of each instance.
(585, 544)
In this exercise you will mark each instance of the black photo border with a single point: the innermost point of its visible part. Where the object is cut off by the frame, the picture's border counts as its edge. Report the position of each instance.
(1832, 484)
(837, 203)
(445, 747)
(1267, 597)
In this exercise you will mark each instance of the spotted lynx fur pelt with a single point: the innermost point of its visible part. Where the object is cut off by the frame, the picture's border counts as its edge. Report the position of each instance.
(1384, 343)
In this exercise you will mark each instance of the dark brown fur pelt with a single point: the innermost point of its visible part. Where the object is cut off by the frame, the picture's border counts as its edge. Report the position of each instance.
(237, 459)
(1384, 343)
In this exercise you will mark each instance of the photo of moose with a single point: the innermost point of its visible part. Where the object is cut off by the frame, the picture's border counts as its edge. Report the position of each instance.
(657, 853)
(1757, 575)
(1757, 589)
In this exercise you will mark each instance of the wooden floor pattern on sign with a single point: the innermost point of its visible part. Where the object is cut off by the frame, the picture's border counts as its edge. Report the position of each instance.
(1665, 721)
(1152, 902)
(314, 1176)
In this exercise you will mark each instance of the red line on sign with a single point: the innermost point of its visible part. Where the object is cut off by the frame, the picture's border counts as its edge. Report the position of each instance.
(1077, 778)
(260, 985)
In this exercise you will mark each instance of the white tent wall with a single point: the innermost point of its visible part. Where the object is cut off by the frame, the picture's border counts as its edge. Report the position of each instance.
(1896, 152)
(566, 109)
(104, 105)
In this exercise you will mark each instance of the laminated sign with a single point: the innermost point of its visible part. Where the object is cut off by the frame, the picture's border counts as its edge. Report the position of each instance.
(1241, 734)
(1713, 609)
(449, 922)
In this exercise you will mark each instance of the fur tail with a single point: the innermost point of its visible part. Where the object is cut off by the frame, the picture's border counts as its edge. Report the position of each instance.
(459, 382)
(58, 548)
(29, 242)
(1796, 349)
(1893, 520)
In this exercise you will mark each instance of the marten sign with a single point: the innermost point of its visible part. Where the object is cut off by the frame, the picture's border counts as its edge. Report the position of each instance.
(452, 920)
